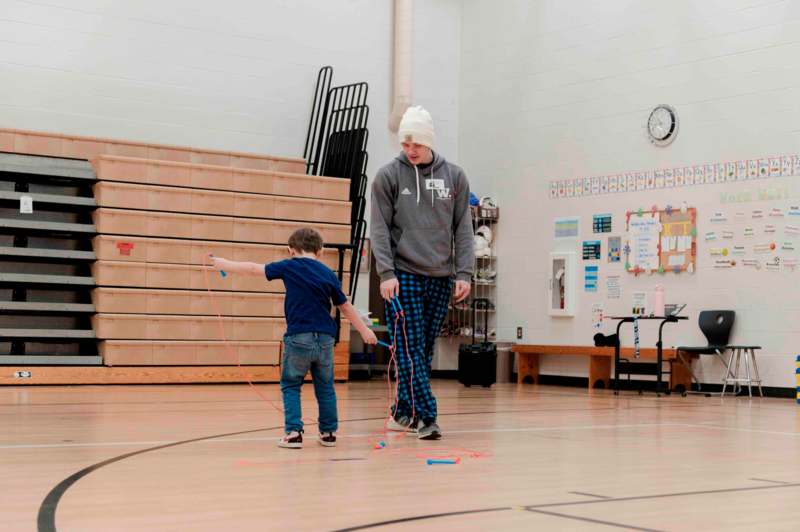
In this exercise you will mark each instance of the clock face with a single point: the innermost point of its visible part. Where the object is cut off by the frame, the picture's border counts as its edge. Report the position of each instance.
(662, 125)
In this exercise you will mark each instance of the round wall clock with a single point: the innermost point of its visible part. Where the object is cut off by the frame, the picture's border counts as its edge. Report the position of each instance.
(662, 125)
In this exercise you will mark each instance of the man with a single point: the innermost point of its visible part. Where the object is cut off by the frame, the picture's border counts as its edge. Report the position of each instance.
(422, 239)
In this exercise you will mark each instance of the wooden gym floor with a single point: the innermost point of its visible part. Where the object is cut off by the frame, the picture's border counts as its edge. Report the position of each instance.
(203, 457)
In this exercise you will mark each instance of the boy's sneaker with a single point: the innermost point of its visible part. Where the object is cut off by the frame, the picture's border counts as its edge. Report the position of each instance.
(401, 424)
(292, 440)
(429, 431)
(327, 439)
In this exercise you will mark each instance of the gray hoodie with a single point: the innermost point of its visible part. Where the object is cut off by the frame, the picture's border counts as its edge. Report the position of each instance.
(418, 216)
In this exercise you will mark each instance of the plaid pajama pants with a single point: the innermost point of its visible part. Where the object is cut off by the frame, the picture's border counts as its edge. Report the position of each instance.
(424, 300)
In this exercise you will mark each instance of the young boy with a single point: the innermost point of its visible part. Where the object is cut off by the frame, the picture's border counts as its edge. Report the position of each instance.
(308, 342)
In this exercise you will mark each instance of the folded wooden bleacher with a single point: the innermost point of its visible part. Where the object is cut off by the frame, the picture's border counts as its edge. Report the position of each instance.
(155, 313)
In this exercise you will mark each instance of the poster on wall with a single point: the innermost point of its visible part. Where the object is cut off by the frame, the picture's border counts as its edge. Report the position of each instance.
(597, 315)
(601, 223)
(591, 250)
(567, 227)
(590, 275)
(613, 287)
(661, 240)
(642, 249)
(614, 249)
(678, 246)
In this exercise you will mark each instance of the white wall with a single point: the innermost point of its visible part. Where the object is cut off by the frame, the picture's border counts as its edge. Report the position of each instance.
(233, 75)
(553, 90)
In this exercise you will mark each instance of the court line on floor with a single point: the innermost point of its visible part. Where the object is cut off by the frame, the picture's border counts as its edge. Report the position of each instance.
(219, 439)
(423, 517)
(664, 495)
(589, 494)
(547, 429)
(540, 508)
(595, 521)
(241, 409)
(510, 390)
(46, 517)
(740, 429)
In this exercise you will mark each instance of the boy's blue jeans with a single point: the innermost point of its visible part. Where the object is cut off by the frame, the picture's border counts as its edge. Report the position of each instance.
(301, 353)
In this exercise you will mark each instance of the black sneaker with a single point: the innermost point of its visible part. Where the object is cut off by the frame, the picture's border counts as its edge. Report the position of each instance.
(327, 439)
(413, 427)
(292, 440)
(429, 431)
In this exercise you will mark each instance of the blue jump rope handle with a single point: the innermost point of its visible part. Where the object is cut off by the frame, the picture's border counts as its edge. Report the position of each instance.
(398, 308)
(384, 344)
(432, 461)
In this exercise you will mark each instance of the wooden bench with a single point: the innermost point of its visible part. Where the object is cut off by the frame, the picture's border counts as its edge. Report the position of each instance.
(600, 362)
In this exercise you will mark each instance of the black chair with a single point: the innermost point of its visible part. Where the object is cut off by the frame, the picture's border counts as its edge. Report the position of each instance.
(716, 325)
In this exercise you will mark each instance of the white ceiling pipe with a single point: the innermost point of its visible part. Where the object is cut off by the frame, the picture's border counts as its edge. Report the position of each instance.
(403, 34)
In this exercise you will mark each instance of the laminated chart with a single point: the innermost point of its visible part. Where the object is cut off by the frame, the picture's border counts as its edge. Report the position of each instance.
(661, 240)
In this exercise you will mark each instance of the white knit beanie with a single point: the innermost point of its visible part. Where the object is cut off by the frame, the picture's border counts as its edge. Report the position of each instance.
(416, 126)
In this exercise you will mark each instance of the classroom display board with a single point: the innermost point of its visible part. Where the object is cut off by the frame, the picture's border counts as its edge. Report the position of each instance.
(764, 239)
(661, 240)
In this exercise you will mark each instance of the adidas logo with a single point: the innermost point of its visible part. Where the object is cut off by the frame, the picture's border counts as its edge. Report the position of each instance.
(406, 192)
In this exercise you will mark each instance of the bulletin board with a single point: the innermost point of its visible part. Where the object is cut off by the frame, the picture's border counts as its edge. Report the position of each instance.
(662, 240)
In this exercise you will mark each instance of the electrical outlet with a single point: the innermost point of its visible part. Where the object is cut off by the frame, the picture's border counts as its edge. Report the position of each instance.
(519, 333)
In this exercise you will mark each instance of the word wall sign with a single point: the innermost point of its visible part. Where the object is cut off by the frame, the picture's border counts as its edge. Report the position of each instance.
(701, 174)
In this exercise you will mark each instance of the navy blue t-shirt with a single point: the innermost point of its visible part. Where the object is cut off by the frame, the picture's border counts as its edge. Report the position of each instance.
(310, 288)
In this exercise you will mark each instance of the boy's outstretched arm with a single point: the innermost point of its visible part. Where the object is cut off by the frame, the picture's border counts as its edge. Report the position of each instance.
(350, 312)
(232, 266)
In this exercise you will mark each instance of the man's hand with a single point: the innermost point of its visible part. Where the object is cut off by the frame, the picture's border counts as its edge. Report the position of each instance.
(462, 290)
(390, 289)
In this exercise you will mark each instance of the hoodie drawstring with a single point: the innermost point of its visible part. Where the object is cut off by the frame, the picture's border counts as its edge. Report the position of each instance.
(416, 173)
(431, 186)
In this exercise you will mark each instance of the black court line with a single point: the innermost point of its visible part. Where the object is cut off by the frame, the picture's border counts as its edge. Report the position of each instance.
(46, 518)
(539, 508)
(656, 404)
(589, 494)
(768, 480)
(596, 521)
(421, 518)
(240, 409)
(511, 392)
(662, 496)
(346, 459)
